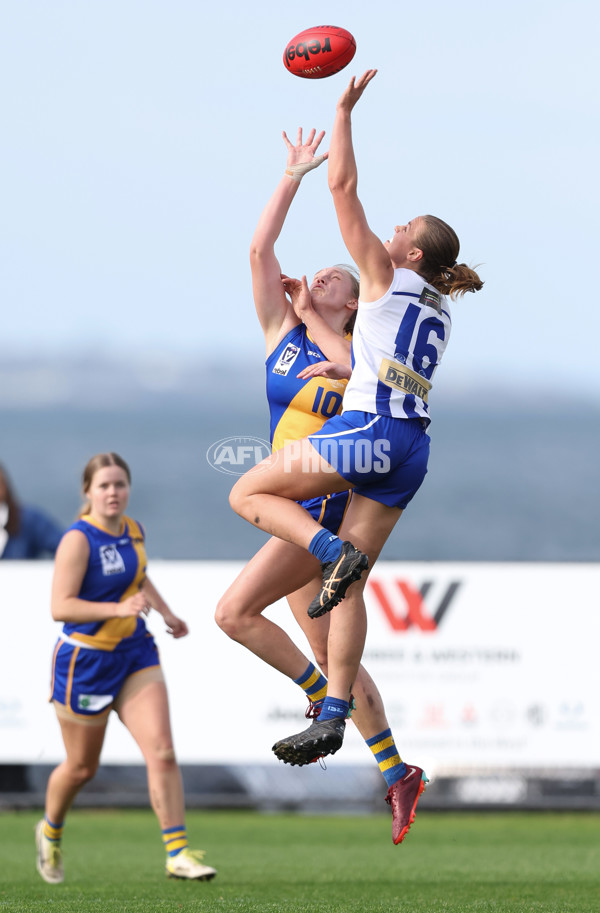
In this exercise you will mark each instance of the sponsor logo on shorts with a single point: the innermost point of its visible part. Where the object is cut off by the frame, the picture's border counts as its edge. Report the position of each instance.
(93, 703)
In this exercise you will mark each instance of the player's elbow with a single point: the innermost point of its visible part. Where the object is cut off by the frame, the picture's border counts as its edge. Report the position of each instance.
(340, 186)
(57, 611)
(259, 251)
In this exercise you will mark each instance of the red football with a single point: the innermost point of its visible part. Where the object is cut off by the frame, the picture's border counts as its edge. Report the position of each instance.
(319, 52)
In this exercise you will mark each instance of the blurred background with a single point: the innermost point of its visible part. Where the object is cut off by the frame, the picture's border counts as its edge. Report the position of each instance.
(510, 477)
(142, 140)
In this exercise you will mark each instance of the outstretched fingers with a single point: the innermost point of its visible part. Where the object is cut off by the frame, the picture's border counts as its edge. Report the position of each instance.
(365, 79)
(310, 144)
(355, 89)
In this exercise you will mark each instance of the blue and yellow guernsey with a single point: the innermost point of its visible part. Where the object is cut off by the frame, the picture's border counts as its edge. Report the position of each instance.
(299, 407)
(116, 570)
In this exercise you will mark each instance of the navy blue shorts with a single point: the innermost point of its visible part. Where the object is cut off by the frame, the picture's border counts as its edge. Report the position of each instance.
(87, 681)
(384, 458)
(330, 510)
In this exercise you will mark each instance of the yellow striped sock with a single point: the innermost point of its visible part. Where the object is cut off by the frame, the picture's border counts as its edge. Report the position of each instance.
(313, 683)
(53, 831)
(386, 754)
(175, 839)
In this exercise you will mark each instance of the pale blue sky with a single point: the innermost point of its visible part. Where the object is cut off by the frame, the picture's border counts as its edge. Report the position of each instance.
(141, 140)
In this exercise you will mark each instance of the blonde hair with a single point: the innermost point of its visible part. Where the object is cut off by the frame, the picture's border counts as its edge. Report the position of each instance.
(440, 245)
(353, 275)
(100, 461)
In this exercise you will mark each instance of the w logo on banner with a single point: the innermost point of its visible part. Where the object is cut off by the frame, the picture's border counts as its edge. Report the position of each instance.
(404, 606)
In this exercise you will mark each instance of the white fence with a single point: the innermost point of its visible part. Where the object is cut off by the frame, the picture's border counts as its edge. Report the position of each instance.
(481, 667)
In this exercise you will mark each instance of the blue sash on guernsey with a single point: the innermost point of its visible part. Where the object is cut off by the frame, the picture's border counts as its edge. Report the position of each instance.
(300, 407)
(116, 570)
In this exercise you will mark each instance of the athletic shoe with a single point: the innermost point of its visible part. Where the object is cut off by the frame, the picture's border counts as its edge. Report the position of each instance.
(187, 864)
(403, 796)
(49, 857)
(322, 737)
(337, 577)
(313, 710)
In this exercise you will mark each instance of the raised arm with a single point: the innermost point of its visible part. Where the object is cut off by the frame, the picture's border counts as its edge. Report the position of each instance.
(365, 248)
(274, 312)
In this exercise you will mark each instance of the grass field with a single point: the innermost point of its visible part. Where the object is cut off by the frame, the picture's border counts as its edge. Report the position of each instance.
(455, 863)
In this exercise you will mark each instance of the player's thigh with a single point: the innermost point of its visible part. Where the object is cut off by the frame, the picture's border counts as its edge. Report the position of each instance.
(83, 740)
(144, 711)
(297, 472)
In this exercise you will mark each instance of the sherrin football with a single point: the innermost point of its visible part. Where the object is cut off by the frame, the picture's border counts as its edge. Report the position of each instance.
(319, 52)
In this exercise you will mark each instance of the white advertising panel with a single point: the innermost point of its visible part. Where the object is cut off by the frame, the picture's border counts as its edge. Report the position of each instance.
(481, 666)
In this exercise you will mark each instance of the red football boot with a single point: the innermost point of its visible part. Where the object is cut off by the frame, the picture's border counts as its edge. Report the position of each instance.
(403, 796)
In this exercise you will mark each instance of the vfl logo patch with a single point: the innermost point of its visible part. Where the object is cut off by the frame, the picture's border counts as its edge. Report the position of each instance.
(431, 299)
(286, 359)
(112, 562)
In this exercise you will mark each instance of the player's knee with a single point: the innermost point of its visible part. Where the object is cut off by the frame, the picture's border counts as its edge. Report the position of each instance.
(165, 756)
(83, 773)
(317, 639)
(321, 660)
(228, 617)
(236, 498)
(221, 616)
(318, 648)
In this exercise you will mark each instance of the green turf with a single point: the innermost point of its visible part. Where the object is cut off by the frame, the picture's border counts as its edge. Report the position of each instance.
(455, 863)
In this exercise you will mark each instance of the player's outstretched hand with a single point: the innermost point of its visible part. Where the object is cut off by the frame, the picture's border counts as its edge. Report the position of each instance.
(354, 90)
(302, 157)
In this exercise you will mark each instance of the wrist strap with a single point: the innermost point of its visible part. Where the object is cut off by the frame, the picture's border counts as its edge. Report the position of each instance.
(297, 172)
